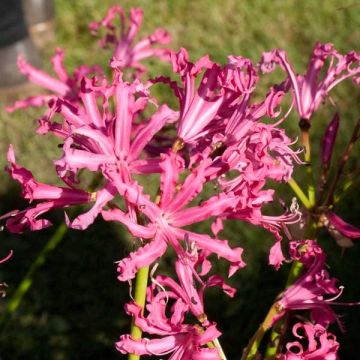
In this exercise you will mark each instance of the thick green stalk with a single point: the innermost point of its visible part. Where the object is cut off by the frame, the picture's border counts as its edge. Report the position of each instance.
(140, 298)
(251, 350)
(27, 281)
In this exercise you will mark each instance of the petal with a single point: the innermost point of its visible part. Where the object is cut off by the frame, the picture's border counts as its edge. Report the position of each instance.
(155, 124)
(145, 256)
(84, 220)
(145, 232)
(218, 247)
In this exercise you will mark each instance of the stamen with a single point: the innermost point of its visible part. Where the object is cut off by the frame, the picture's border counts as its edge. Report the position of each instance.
(341, 288)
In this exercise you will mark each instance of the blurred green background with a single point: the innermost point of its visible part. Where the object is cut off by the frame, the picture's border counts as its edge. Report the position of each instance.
(74, 309)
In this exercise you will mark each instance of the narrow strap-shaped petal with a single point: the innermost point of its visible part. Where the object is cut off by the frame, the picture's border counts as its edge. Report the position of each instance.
(170, 170)
(144, 256)
(155, 124)
(215, 206)
(145, 232)
(192, 185)
(123, 119)
(41, 78)
(84, 220)
(89, 99)
(57, 62)
(218, 247)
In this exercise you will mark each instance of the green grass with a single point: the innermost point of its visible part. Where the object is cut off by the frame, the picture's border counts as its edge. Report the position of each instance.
(74, 309)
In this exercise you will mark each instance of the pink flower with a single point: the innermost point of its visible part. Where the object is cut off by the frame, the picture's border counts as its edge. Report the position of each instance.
(311, 89)
(107, 140)
(166, 324)
(217, 93)
(66, 86)
(166, 219)
(126, 53)
(54, 196)
(310, 290)
(321, 345)
(187, 290)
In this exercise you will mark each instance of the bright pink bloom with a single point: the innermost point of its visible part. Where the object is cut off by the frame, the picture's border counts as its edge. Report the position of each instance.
(170, 335)
(188, 277)
(167, 218)
(342, 226)
(107, 141)
(310, 290)
(126, 53)
(66, 86)
(311, 89)
(54, 196)
(321, 345)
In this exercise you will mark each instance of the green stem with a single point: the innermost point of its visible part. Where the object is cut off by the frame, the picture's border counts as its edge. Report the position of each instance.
(140, 298)
(280, 328)
(299, 193)
(27, 281)
(251, 350)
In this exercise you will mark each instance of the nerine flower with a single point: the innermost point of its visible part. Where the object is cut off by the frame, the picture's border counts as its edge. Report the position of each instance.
(311, 289)
(167, 217)
(50, 197)
(66, 86)
(321, 345)
(126, 53)
(166, 322)
(311, 89)
(218, 87)
(187, 289)
(109, 140)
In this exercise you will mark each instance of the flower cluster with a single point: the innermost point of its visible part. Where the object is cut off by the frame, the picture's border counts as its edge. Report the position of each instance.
(219, 136)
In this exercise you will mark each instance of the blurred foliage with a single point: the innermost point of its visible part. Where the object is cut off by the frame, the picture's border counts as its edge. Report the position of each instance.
(75, 307)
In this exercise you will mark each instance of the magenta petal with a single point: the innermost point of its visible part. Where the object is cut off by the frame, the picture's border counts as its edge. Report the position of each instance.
(191, 187)
(102, 198)
(276, 256)
(343, 227)
(171, 166)
(41, 78)
(123, 119)
(155, 124)
(217, 280)
(145, 256)
(145, 232)
(215, 206)
(218, 247)
(162, 346)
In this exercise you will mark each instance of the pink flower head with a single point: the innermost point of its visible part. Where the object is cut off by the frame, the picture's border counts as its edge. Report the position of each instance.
(165, 321)
(66, 86)
(310, 290)
(311, 89)
(167, 217)
(126, 53)
(108, 140)
(321, 345)
(219, 87)
(52, 197)
(187, 290)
